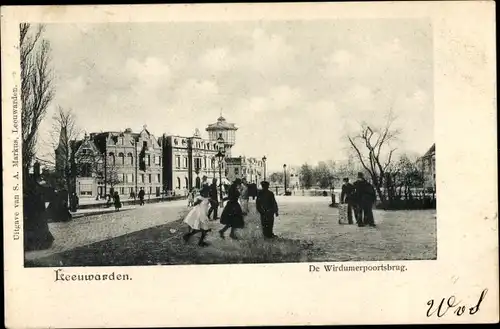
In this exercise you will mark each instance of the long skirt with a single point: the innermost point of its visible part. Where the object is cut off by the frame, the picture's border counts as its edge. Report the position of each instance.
(232, 215)
(197, 217)
(244, 205)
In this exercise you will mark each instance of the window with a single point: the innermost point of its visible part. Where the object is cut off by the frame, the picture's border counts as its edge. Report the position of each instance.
(122, 158)
(236, 171)
(186, 182)
(130, 190)
(150, 190)
(130, 178)
(158, 178)
(178, 182)
(112, 158)
(145, 144)
(123, 178)
(149, 160)
(122, 190)
(86, 189)
(149, 178)
(205, 162)
(159, 160)
(142, 178)
(185, 162)
(178, 161)
(130, 159)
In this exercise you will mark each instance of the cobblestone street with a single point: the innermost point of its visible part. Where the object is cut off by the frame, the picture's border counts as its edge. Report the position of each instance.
(86, 230)
(399, 235)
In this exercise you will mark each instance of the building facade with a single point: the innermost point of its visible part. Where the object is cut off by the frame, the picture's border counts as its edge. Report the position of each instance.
(428, 167)
(188, 158)
(123, 162)
(252, 169)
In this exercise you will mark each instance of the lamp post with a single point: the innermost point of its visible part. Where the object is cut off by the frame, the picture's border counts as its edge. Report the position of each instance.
(264, 162)
(284, 175)
(220, 157)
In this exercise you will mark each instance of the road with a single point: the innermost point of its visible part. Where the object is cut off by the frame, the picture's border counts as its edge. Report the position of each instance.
(399, 234)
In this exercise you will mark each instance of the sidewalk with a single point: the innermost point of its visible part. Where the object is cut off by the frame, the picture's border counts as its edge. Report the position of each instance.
(93, 227)
(98, 211)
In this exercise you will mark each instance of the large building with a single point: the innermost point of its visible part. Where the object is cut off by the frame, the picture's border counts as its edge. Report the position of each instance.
(252, 169)
(117, 161)
(188, 158)
(428, 166)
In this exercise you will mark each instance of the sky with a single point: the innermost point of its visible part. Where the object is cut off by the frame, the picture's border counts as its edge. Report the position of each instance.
(295, 89)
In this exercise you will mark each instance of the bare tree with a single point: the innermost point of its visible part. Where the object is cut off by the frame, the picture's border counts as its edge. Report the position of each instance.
(112, 177)
(373, 149)
(64, 132)
(36, 87)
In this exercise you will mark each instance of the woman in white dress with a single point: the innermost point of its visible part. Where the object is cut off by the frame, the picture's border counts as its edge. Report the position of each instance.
(197, 218)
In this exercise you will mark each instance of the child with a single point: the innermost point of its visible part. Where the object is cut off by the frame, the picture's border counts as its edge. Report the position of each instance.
(232, 215)
(190, 198)
(197, 218)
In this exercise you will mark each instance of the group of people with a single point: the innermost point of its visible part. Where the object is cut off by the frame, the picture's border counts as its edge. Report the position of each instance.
(206, 203)
(358, 198)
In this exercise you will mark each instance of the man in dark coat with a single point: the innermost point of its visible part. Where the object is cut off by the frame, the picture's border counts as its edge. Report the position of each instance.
(214, 199)
(141, 196)
(365, 197)
(346, 196)
(267, 208)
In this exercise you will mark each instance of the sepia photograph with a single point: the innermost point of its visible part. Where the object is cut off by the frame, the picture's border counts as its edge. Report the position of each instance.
(249, 164)
(228, 142)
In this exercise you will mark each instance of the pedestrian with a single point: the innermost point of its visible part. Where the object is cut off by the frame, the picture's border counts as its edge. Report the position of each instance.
(267, 208)
(347, 202)
(232, 215)
(197, 218)
(141, 196)
(116, 201)
(190, 198)
(214, 199)
(364, 197)
(204, 181)
(244, 198)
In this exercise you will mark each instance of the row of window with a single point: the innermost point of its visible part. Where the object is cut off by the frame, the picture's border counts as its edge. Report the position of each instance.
(143, 178)
(199, 163)
(130, 159)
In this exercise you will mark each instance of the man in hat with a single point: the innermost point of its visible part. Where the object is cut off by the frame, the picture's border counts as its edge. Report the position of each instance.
(365, 197)
(267, 208)
(346, 196)
(214, 199)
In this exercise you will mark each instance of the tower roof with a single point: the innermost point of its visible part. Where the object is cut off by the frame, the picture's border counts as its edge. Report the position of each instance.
(221, 124)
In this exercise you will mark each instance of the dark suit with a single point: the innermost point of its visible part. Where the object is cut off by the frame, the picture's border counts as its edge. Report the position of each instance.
(214, 200)
(267, 207)
(346, 196)
(364, 197)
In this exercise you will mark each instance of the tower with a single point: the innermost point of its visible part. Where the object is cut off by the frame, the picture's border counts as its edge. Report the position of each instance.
(226, 130)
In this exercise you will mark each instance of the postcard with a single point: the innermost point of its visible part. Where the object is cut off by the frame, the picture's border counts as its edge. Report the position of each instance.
(250, 164)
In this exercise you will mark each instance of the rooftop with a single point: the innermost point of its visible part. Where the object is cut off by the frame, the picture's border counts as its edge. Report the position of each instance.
(221, 124)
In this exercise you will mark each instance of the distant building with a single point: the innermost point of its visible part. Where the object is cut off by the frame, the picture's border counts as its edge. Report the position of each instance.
(252, 169)
(428, 167)
(223, 129)
(294, 178)
(187, 160)
(117, 161)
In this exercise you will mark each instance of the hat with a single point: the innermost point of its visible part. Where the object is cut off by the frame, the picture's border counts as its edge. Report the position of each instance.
(264, 183)
(346, 179)
(360, 175)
